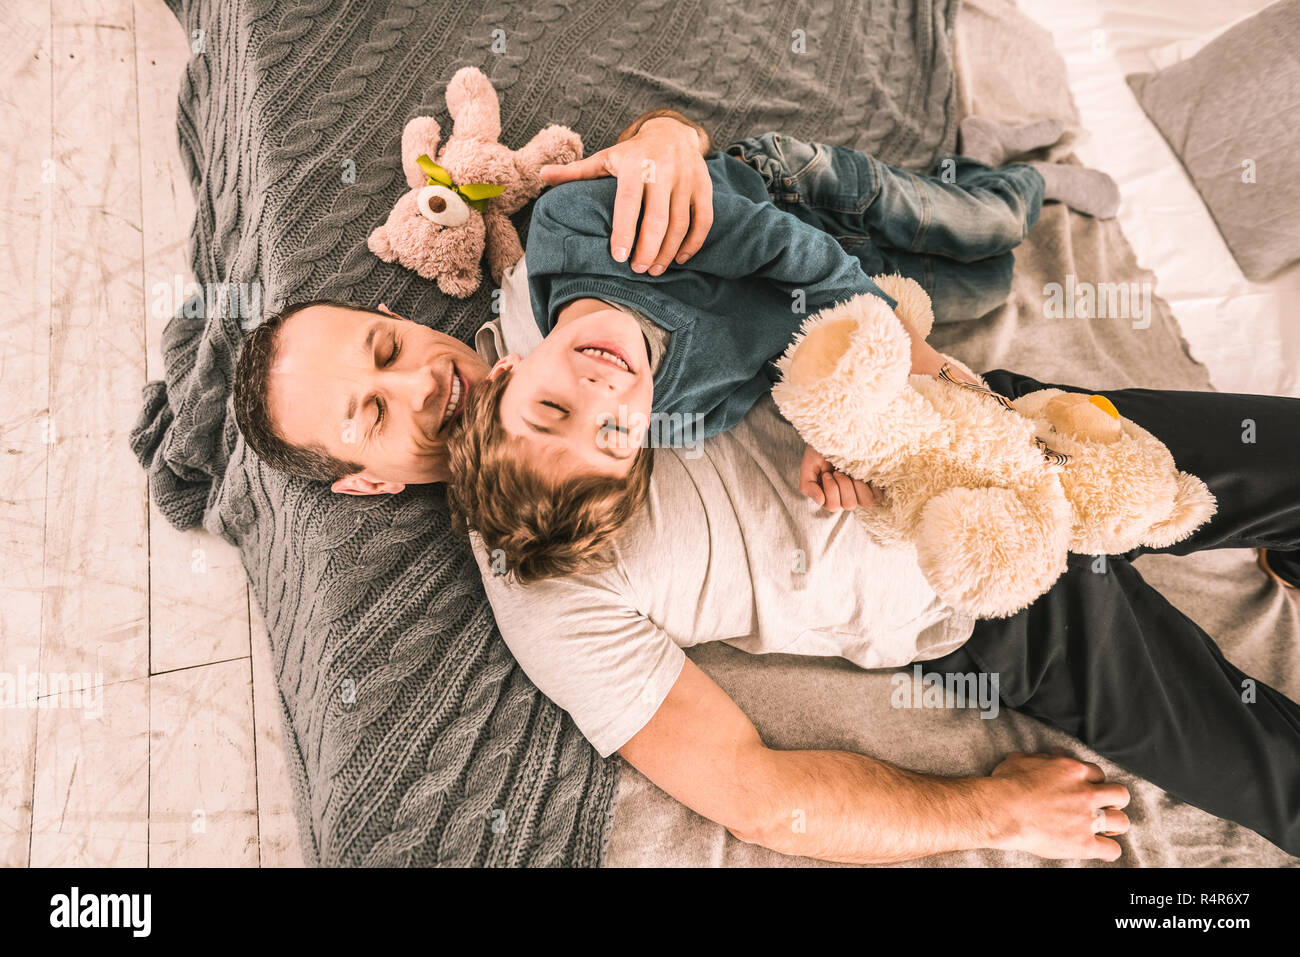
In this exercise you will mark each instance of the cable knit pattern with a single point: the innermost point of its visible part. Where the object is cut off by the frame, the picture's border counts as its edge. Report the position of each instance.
(413, 737)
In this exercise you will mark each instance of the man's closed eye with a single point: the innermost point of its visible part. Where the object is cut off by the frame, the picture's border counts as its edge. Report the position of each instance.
(393, 353)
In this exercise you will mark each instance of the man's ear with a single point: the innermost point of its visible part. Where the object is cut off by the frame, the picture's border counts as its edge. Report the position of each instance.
(358, 484)
(504, 364)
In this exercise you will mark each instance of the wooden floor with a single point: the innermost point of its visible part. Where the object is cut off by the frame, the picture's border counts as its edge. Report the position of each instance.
(154, 734)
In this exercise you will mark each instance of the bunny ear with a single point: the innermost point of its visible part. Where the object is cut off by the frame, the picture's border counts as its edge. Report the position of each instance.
(473, 104)
(420, 137)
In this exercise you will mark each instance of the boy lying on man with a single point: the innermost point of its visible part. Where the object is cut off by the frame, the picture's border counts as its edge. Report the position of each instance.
(546, 462)
(1103, 657)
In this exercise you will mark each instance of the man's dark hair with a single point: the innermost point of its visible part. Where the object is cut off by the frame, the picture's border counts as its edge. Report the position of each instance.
(252, 415)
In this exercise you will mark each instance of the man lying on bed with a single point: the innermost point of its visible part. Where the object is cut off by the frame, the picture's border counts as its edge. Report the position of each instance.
(1182, 726)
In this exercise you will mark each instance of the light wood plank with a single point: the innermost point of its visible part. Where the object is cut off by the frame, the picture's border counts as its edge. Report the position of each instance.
(90, 801)
(198, 598)
(195, 579)
(277, 827)
(203, 790)
(91, 806)
(167, 205)
(26, 194)
(96, 570)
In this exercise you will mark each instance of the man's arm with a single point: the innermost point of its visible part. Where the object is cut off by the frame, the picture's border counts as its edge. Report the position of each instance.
(835, 805)
(630, 689)
(659, 163)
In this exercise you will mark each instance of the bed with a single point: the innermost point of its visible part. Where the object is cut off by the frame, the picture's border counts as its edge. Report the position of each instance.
(413, 738)
(1244, 332)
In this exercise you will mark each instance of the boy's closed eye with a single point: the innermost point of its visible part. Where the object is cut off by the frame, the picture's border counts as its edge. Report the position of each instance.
(610, 438)
(547, 410)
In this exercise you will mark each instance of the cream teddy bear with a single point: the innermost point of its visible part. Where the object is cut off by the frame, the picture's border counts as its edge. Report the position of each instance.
(992, 493)
(460, 205)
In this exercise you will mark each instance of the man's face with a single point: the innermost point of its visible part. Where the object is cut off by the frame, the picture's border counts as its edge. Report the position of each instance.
(371, 388)
(580, 401)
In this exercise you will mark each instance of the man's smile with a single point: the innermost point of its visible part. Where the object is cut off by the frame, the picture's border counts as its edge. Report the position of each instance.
(455, 393)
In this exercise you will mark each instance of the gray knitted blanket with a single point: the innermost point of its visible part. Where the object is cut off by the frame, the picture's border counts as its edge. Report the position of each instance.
(414, 737)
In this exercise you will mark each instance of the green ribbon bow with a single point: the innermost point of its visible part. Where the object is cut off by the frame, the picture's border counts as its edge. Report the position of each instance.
(475, 194)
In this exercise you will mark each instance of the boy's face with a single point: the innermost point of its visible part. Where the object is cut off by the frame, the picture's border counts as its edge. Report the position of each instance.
(580, 402)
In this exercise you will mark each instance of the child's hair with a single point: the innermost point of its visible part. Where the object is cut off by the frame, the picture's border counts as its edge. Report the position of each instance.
(543, 528)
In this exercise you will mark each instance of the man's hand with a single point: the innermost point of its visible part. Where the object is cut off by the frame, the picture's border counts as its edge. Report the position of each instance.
(661, 177)
(829, 487)
(1051, 807)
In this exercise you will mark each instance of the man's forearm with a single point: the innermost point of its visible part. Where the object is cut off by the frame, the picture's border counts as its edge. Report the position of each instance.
(840, 806)
(706, 144)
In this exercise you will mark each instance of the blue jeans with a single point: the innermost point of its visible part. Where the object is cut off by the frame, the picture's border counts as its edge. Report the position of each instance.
(952, 232)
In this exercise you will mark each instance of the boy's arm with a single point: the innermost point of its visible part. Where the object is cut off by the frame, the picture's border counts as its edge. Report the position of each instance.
(750, 238)
(829, 487)
(753, 238)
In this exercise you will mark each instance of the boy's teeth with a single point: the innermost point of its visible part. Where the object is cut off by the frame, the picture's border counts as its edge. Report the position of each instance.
(607, 355)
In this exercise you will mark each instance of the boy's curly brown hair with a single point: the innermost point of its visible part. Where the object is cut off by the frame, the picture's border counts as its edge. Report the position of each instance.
(543, 528)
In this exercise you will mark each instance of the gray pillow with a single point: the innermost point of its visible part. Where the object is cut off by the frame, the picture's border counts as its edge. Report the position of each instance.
(1232, 114)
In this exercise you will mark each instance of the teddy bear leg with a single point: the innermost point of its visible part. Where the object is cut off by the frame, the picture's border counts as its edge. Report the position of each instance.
(503, 246)
(844, 386)
(1194, 505)
(990, 552)
(914, 309)
(473, 105)
(554, 144)
(856, 349)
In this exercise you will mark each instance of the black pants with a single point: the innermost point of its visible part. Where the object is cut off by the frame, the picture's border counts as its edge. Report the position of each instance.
(1106, 658)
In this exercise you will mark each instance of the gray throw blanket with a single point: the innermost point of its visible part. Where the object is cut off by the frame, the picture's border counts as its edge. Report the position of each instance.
(414, 737)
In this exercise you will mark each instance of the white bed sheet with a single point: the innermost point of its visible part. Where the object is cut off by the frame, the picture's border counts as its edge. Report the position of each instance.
(1246, 333)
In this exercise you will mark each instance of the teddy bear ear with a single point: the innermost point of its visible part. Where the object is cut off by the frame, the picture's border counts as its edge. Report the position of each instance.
(420, 138)
(380, 246)
(473, 104)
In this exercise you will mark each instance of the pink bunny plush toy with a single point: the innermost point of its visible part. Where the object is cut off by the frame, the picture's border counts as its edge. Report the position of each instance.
(459, 206)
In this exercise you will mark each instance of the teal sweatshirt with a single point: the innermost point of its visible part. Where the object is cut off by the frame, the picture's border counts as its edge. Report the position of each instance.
(731, 309)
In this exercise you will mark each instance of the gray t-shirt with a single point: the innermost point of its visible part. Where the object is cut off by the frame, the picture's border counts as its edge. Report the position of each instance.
(727, 549)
